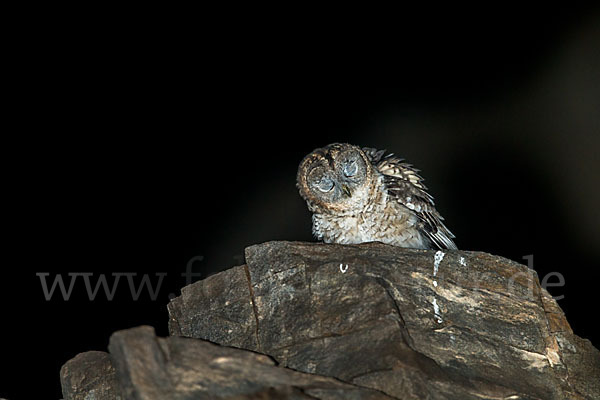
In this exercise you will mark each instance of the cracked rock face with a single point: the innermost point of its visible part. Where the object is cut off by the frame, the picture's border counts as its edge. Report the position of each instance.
(88, 376)
(369, 321)
(412, 324)
(150, 368)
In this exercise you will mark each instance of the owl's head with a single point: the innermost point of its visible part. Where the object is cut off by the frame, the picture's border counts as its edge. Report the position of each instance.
(336, 179)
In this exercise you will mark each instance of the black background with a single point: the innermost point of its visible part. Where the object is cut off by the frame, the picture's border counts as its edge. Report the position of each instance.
(137, 150)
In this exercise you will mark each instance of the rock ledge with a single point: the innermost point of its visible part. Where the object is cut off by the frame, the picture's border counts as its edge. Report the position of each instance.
(369, 321)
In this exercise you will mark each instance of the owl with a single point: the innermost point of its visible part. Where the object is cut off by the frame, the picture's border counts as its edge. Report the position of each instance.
(361, 195)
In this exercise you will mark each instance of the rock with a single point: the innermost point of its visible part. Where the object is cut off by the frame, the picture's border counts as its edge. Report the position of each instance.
(413, 324)
(90, 375)
(184, 369)
(368, 321)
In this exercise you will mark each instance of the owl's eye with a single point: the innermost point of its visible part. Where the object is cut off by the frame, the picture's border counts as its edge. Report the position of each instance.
(325, 185)
(350, 169)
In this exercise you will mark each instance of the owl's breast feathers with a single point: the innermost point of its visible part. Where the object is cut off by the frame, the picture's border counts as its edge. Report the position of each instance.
(380, 220)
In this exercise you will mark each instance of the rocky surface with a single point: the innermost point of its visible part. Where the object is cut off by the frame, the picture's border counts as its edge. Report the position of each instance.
(152, 368)
(369, 321)
(90, 375)
(413, 324)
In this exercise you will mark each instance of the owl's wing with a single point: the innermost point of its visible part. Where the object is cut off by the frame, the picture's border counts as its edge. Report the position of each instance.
(406, 186)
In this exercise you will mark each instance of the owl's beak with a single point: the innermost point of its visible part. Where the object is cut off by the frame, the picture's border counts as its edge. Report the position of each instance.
(346, 191)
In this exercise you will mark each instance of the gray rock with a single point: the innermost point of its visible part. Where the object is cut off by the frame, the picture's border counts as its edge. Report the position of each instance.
(143, 367)
(180, 368)
(90, 376)
(414, 324)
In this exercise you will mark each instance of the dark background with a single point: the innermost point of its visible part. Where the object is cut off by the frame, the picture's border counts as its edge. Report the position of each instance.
(137, 151)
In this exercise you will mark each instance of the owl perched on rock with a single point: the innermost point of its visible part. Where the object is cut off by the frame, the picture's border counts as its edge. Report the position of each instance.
(361, 195)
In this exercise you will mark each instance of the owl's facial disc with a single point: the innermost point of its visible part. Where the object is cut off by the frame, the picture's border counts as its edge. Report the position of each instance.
(335, 179)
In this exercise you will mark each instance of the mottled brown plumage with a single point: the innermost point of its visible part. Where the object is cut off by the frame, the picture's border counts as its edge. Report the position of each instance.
(361, 195)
